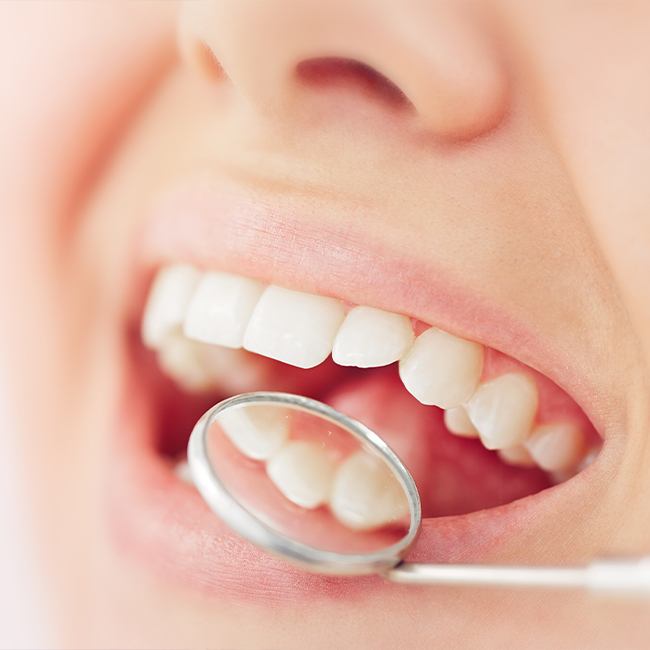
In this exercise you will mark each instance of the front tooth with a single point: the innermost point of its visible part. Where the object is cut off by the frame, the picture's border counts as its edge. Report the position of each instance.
(372, 337)
(167, 302)
(303, 472)
(366, 494)
(294, 327)
(220, 309)
(458, 422)
(556, 447)
(258, 432)
(441, 369)
(503, 410)
(518, 456)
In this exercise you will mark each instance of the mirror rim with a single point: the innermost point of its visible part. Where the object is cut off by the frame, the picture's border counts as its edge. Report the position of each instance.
(248, 526)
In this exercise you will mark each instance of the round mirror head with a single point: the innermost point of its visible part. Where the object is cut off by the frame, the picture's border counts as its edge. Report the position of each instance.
(301, 480)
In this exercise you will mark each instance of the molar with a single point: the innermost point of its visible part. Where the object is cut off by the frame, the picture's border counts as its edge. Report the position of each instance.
(371, 337)
(303, 472)
(366, 494)
(294, 327)
(441, 369)
(557, 446)
(503, 410)
(220, 308)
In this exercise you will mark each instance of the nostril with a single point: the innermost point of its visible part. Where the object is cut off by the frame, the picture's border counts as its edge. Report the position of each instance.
(351, 74)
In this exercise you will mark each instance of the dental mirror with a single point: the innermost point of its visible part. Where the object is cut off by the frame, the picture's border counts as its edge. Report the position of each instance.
(303, 481)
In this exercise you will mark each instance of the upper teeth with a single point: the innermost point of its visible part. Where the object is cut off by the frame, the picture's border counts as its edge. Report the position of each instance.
(220, 308)
(457, 421)
(503, 410)
(556, 446)
(294, 327)
(303, 329)
(168, 300)
(371, 337)
(442, 369)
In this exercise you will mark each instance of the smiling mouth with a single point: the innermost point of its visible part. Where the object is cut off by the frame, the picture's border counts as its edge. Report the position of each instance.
(483, 435)
(213, 333)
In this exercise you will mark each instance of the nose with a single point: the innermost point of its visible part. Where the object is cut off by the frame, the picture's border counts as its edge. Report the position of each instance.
(442, 56)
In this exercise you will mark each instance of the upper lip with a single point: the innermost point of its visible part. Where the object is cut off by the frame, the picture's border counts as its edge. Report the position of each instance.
(230, 227)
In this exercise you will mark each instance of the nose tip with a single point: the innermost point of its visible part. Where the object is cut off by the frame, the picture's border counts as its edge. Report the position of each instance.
(441, 57)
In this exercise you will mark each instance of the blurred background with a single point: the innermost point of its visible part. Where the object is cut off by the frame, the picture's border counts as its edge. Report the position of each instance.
(23, 618)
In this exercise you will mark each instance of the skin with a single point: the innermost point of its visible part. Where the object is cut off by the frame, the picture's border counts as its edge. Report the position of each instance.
(522, 170)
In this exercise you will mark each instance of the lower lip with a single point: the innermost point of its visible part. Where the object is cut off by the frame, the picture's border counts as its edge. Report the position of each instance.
(164, 523)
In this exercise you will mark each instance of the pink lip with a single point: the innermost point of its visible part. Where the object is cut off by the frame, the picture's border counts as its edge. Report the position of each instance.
(165, 522)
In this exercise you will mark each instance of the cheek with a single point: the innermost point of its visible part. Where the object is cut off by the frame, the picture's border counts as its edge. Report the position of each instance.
(50, 152)
(587, 69)
(54, 334)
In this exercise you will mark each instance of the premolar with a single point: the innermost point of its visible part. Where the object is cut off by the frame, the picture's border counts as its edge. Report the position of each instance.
(441, 369)
(503, 410)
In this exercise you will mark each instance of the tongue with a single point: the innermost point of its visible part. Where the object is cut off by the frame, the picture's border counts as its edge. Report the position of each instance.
(454, 475)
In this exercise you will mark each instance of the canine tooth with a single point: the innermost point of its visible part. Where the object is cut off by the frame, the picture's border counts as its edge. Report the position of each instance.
(294, 327)
(441, 369)
(167, 303)
(220, 308)
(366, 494)
(503, 410)
(372, 337)
(458, 422)
(556, 447)
(257, 431)
(516, 456)
(303, 472)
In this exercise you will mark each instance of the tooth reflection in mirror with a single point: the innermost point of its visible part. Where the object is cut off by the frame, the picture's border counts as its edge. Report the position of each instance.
(305, 477)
